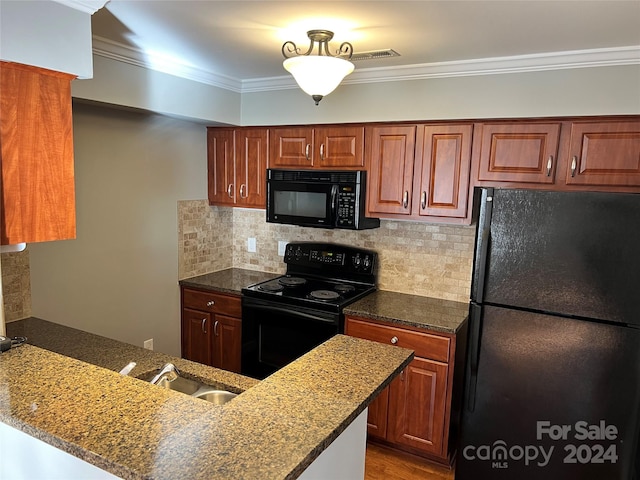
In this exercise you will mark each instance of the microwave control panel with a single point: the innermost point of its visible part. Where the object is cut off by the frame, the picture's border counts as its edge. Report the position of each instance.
(347, 205)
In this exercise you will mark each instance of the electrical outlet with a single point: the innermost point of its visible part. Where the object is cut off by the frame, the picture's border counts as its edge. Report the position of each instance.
(282, 245)
(251, 244)
(148, 344)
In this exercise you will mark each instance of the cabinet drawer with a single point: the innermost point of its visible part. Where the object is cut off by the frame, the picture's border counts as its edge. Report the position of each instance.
(212, 302)
(423, 344)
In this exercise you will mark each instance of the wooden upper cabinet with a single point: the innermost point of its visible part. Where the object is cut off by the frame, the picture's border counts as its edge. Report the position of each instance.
(36, 149)
(443, 159)
(251, 156)
(604, 153)
(221, 166)
(290, 147)
(339, 147)
(519, 152)
(237, 165)
(390, 153)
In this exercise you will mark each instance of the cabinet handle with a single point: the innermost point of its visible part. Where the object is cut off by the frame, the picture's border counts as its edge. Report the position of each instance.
(549, 165)
(242, 189)
(215, 328)
(394, 340)
(210, 303)
(203, 326)
(574, 165)
(423, 201)
(405, 199)
(229, 190)
(322, 151)
(306, 151)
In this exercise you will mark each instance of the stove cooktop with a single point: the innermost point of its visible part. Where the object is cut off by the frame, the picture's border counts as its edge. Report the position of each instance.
(309, 291)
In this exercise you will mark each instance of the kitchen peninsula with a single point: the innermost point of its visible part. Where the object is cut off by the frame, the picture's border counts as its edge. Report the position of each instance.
(64, 390)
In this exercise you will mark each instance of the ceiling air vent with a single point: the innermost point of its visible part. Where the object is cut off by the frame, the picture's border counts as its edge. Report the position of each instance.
(374, 55)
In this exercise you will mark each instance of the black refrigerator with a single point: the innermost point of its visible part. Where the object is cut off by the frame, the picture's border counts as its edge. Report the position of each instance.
(552, 387)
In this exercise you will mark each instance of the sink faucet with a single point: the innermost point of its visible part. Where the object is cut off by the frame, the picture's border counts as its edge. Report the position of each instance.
(166, 371)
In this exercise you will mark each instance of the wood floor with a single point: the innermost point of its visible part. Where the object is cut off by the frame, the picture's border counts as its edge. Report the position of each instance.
(384, 464)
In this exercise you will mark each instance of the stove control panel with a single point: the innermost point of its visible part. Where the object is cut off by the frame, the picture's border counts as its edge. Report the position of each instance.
(319, 256)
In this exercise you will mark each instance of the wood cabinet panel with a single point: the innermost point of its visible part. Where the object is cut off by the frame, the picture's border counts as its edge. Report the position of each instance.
(196, 336)
(290, 147)
(377, 415)
(212, 302)
(390, 153)
(519, 152)
(339, 147)
(442, 178)
(604, 153)
(36, 147)
(423, 344)
(227, 333)
(221, 166)
(418, 398)
(251, 155)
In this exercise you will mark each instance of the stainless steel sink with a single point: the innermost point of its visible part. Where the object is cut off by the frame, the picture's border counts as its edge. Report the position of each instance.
(191, 387)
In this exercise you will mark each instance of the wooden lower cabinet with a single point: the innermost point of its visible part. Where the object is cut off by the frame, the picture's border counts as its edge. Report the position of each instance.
(414, 412)
(211, 328)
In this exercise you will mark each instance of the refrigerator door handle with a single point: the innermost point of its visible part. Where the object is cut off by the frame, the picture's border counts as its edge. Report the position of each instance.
(475, 320)
(483, 237)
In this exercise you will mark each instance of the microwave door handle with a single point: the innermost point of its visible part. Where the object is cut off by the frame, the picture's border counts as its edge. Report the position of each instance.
(334, 204)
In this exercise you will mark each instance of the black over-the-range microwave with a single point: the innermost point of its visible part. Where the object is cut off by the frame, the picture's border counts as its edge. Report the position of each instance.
(318, 198)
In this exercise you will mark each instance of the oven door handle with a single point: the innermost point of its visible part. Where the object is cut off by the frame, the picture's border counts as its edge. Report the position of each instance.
(290, 311)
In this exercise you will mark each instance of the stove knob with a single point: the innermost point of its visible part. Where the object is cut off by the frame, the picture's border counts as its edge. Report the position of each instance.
(366, 263)
(356, 260)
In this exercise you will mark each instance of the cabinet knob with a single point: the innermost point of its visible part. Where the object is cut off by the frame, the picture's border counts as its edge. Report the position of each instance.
(322, 151)
(210, 303)
(423, 200)
(215, 328)
(229, 188)
(243, 187)
(405, 199)
(203, 326)
(306, 151)
(394, 340)
(574, 165)
(549, 165)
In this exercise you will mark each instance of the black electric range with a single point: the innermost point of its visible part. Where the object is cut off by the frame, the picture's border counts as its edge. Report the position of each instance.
(287, 316)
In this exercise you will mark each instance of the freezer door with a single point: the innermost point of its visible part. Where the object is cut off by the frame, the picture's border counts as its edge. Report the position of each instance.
(554, 399)
(571, 253)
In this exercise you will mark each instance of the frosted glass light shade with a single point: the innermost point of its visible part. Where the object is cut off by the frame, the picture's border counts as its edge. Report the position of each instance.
(318, 75)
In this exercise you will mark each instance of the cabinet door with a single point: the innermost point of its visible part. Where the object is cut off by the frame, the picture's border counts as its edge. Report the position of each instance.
(519, 152)
(390, 155)
(442, 170)
(37, 189)
(227, 332)
(417, 406)
(196, 336)
(339, 147)
(290, 147)
(221, 166)
(251, 166)
(605, 153)
(377, 415)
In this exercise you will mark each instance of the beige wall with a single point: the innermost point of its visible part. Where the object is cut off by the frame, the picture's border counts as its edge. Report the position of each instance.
(119, 277)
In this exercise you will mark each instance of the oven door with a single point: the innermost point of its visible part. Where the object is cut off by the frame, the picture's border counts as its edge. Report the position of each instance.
(302, 203)
(275, 334)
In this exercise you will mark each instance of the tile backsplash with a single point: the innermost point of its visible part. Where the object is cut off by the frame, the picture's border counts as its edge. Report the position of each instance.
(16, 285)
(425, 259)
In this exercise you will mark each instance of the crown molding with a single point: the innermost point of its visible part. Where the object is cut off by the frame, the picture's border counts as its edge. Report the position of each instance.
(602, 57)
(86, 6)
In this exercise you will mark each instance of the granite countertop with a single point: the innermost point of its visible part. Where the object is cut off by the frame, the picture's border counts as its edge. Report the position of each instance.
(434, 314)
(231, 280)
(135, 430)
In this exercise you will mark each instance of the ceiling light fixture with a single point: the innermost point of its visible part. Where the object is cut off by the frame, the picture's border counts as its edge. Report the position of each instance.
(318, 75)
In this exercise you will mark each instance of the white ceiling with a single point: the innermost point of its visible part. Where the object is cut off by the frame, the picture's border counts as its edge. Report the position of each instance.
(237, 44)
